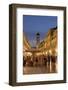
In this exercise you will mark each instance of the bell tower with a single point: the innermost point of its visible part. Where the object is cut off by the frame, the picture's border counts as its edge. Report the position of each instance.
(37, 39)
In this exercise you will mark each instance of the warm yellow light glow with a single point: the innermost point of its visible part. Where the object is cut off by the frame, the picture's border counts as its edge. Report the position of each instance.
(56, 50)
(46, 53)
(50, 51)
(39, 54)
(29, 54)
(43, 53)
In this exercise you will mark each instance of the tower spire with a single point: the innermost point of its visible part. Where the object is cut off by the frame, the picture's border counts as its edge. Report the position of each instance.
(37, 39)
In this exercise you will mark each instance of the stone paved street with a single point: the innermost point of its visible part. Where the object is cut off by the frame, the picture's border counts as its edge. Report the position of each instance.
(39, 69)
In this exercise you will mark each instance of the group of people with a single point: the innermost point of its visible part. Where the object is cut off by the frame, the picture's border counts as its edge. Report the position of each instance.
(36, 61)
(27, 61)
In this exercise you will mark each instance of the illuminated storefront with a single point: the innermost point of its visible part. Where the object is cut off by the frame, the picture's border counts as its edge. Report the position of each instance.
(49, 44)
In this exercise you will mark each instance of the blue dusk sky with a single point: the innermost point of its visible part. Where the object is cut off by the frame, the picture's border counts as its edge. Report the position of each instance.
(33, 24)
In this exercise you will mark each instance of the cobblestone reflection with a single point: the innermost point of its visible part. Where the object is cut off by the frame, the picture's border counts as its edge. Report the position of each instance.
(39, 66)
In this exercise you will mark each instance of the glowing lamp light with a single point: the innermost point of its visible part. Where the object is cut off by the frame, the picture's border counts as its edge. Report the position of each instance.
(29, 54)
(46, 53)
(50, 51)
(38, 54)
(43, 53)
